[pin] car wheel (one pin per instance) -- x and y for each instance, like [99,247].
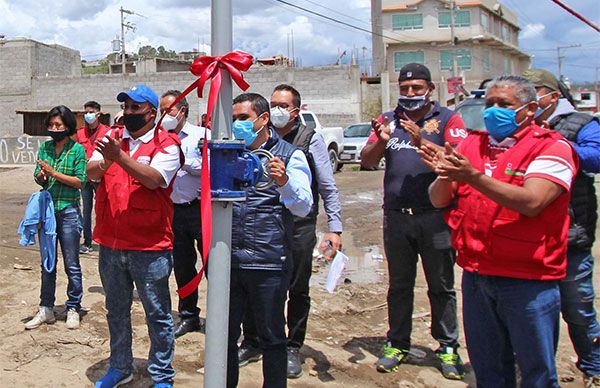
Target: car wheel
[333,160]
[381,164]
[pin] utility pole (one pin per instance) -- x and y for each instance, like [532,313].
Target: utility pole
[559,57]
[453,41]
[123,27]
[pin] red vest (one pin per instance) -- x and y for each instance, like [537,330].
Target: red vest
[130,216]
[88,141]
[494,240]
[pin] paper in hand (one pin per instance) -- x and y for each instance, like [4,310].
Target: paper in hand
[335,271]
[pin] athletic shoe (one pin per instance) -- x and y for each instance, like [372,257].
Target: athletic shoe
[392,358]
[248,354]
[113,378]
[44,315]
[452,365]
[72,319]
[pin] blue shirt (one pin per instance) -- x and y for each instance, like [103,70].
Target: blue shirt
[588,147]
[326,183]
[295,195]
[186,186]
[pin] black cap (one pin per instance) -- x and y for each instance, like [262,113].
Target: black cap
[414,71]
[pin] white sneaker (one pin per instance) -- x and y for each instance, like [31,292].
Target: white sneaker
[72,319]
[44,315]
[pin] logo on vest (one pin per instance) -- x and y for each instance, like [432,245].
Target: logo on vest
[431,126]
[145,160]
[394,145]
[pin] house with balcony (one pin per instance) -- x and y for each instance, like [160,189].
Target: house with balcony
[485,40]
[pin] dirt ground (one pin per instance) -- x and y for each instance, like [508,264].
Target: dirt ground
[345,334]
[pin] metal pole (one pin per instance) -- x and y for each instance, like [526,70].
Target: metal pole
[452,38]
[559,57]
[219,270]
[123,68]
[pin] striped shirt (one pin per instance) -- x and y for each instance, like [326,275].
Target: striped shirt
[71,161]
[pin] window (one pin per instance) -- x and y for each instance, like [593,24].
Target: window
[507,66]
[402,58]
[505,36]
[485,21]
[586,96]
[309,121]
[461,19]
[486,60]
[407,22]
[463,59]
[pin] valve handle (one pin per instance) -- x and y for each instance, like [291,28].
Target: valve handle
[264,156]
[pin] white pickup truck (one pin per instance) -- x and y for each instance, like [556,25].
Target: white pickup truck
[334,136]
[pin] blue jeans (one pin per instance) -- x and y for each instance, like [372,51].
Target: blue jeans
[264,293]
[577,306]
[506,318]
[150,271]
[68,233]
[87,202]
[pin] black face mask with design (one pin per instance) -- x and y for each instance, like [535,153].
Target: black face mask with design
[135,122]
[58,135]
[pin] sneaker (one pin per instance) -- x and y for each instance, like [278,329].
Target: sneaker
[392,358]
[591,381]
[452,365]
[113,378]
[72,319]
[294,365]
[248,354]
[84,249]
[44,315]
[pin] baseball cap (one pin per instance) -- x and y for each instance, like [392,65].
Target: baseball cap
[140,93]
[414,71]
[541,77]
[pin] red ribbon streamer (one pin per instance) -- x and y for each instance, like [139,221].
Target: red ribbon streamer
[209,67]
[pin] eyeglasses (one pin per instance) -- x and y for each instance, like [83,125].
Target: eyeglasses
[132,107]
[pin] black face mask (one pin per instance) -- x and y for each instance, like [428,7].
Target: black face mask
[134,122]
[58,135]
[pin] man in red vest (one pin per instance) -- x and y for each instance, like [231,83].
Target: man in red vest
[134,213]
[86,136]
[510,186]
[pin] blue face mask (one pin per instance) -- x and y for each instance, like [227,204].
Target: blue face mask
[89,117]
[244,130]
[501,122]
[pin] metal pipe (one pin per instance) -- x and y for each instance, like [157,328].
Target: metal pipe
[219,270]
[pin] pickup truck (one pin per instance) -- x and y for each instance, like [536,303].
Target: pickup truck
[333,136]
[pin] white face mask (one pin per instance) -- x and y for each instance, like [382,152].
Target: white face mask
[170,122]
[279,117]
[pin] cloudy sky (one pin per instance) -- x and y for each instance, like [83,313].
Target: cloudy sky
[263,28]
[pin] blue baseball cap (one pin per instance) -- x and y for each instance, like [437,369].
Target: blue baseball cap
[140,93]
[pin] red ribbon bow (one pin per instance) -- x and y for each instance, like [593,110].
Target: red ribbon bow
[206,68]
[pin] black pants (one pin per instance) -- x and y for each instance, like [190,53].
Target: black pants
[298,305]
[262,293]
[187,232]
[405,237]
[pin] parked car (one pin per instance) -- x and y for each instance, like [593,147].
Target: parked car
[471,109]
[355,138]
[333,136]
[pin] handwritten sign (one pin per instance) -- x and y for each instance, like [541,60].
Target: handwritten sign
[20,150]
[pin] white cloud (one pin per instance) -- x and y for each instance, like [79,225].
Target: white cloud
[533,30]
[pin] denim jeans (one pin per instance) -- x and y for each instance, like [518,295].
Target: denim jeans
[87,202]
[506,318]
[68,233]
[577,306]
[264,293]
[405,237]
[149,271]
